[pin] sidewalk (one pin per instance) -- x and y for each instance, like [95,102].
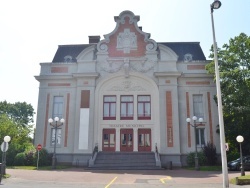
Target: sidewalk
[79,177]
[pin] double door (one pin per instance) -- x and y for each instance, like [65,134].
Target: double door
[127,140]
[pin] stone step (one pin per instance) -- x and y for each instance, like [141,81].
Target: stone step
[125,160]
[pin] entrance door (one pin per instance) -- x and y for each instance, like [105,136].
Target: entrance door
[127,140]
[108,140]
[144,139]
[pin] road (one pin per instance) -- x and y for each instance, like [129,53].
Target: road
[81,178]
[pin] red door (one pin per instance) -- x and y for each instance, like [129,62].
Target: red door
[126,140]
[144,139]
[108,140]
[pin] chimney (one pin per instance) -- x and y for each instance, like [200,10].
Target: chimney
[94,39]
[140,27]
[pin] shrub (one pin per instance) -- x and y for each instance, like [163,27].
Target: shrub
[12,152]
[191,158]
[19,159]
[45,158]
[209,151]
[29,158]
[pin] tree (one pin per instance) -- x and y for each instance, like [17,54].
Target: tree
[234,67]
[20,140]
[16,121]
[20,112]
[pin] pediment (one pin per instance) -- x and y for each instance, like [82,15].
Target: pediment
[167,54]
[127,39]
[87,54]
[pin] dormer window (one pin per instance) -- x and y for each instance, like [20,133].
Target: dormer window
[68,59]
[188,58]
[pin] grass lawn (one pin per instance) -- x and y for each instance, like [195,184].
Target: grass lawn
[39,168]
[246,178]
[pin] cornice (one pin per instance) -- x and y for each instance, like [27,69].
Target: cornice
[167,74]
[84,75]
[196,75]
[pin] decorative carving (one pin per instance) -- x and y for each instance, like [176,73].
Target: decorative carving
[144,66]
[127,86]
[111,66]
[126,41]
[132,18]
[151,46]
[126,67]
[136,64]
[102,47]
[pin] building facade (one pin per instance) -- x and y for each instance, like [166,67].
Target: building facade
[126,93]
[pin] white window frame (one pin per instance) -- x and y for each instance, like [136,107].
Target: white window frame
[58,108]
[199,137]
[59,136]
[198,106]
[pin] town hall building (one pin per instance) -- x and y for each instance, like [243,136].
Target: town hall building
[126,93]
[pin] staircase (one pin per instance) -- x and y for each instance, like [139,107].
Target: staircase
[125,161]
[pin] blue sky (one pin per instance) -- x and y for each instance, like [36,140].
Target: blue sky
[32,30]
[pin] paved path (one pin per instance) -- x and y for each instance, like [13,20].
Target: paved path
[79,177]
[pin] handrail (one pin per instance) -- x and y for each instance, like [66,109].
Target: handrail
[157,156]
[156,152]
[94,151]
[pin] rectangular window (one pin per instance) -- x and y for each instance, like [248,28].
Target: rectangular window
[109,107]
[144,107]
[127,107]
[198,106]
[200,137]
[57,107]
[57,134]
[57,112]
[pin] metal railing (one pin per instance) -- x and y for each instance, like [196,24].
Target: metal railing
[157,156]
[94,151]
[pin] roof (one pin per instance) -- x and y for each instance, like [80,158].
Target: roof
[183,48]
[68,53]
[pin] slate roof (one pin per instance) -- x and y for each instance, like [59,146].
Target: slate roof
[180,48]
[69,50]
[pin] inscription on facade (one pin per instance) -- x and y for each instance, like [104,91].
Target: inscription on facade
[126,126]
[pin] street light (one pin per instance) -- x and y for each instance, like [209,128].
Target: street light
[196,159]
[55,124]
[241,139]
[216,5]
[4,148]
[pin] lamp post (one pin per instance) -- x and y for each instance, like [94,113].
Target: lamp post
[216,5]
[56,123]
[241,139]
[4,148]
[196,159]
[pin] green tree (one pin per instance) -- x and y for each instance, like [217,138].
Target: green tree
[15,121]
[21,112]
[234,67]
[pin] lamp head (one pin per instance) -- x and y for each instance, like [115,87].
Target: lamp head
[50,120]
[188,120]
[200,120]
[194,118]
[6,138]
[62,120]
[240,138]
[56,118]
[215,5]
